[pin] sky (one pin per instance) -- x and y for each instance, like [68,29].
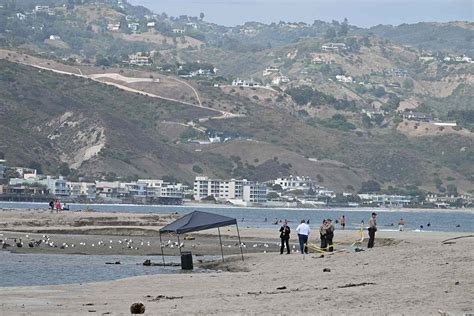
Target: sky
[364,13]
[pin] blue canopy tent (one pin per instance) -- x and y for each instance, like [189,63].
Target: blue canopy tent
[196,221]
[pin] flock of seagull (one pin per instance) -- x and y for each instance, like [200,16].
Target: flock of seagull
[131,244]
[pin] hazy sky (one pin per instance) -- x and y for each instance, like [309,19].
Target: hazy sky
[359,12]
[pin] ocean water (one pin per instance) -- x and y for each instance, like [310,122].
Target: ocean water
[461,220]
[51,269]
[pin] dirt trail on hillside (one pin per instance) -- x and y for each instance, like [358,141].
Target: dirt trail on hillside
[99,77]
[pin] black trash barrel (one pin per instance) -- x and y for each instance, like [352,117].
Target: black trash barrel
[186,260]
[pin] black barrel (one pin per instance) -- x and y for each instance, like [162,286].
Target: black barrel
[186,260]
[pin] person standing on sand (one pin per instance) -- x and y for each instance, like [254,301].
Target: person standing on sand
[342,221]
[285,237]
[372,230]
[51,205]
[401,225]
[322,235]
[329,234]
[303,231]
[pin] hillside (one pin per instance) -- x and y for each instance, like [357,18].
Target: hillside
[76,103]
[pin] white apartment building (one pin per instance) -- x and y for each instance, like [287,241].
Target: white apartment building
[255,193]
[227,190]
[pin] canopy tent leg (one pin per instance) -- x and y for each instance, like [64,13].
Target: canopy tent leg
[162,253]
[240,242]
[220,240]
[179,246]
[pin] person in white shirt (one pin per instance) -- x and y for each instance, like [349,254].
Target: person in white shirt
[303,231]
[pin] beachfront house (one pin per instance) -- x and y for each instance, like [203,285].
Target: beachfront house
[294,183]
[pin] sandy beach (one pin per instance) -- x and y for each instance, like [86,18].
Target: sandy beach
[406,273]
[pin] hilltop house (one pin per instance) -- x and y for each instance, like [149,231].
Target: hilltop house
[150,24]
[345,79]
[333,47]
[139,59]
[179,31]
[245,83]
[43,9]
[55,37]
[416,116]
[271,70]
[20,16]
[279,80]
[134,26]
[113,27]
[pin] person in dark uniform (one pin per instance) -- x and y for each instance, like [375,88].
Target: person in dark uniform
[51,204]
[372,230]
[285,237]
[329,234]
[322,235]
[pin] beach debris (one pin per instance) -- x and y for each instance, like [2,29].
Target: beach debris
[326,270]
[457,283]
[447,241]
[355,284]
[358,249]
[164,297]
[281,288]
[137,308]
[189,238]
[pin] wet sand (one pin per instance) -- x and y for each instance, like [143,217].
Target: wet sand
[406,273]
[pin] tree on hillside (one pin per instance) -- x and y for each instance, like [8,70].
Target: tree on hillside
[344,29]
[408,84]
[379,92]
[330,33]
[370,186]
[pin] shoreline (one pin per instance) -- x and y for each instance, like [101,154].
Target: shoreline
[225,206]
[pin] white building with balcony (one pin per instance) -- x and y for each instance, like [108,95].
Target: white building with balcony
[229,190]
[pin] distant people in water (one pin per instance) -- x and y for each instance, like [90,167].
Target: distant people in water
[372,230]
[342,221]
[421,227]
[307,222]
[265,220]
[401,225]
[428,225]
